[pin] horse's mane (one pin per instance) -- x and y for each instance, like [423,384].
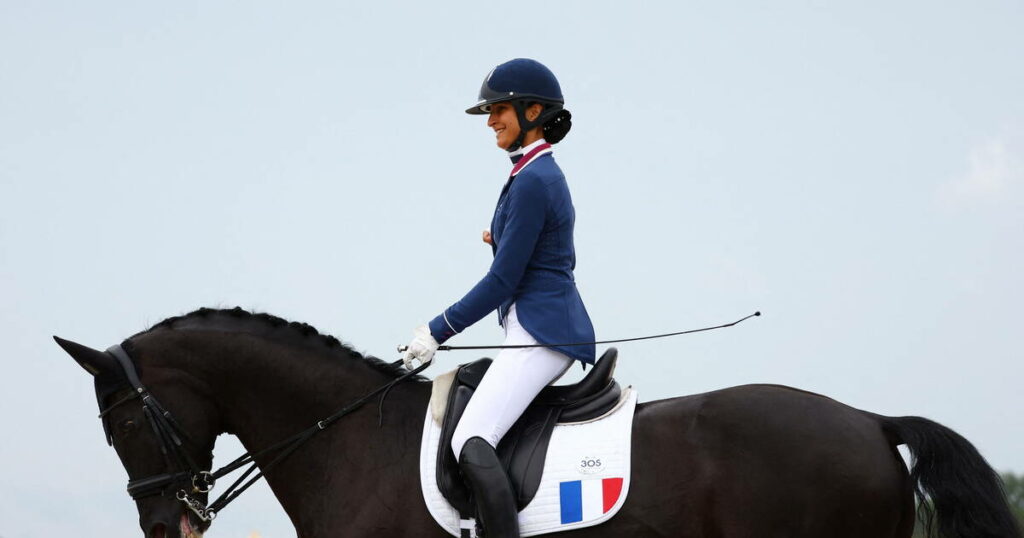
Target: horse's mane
[263,324]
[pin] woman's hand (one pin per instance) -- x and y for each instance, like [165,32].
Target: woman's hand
[487,237]
[422,348]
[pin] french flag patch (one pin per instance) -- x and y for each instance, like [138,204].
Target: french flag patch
[584,500]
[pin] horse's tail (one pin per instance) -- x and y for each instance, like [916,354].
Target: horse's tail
[959,494]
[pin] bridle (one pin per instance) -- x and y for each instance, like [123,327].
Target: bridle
[186,474]
[188,479]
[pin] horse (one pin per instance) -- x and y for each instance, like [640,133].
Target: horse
[755,460]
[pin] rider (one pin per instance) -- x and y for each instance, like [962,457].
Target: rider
[530,283]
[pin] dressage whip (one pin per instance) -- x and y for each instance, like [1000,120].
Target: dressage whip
[402,349]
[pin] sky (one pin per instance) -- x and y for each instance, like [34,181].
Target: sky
[856,173]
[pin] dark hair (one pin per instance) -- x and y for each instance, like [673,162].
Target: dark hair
[557,127]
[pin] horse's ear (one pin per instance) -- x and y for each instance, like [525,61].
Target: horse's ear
[92,360]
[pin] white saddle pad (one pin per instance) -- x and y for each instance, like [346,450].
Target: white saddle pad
[585,477]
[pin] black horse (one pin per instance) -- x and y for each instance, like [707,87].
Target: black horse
[750,461]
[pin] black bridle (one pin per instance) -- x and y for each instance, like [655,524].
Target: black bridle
[185,477]
[169,434]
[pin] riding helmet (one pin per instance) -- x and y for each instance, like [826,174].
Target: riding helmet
[524,81]
[521,78]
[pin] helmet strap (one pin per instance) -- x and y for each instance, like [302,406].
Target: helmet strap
[525,125]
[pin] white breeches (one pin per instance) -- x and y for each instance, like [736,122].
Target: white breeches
[513,380]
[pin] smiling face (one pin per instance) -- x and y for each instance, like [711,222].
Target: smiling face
[505,123]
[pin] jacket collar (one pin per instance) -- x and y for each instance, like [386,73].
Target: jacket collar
[516,155]
[524,156]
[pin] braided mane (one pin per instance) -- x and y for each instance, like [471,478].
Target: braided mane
[294,331]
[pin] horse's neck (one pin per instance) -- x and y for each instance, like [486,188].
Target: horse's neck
[266,390]
[271,395]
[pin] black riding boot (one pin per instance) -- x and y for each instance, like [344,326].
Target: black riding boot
[492,492]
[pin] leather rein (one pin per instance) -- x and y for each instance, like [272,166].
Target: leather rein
[188,478]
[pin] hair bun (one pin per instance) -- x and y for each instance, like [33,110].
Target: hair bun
[557,127]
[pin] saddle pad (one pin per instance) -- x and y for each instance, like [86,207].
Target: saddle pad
[585,478]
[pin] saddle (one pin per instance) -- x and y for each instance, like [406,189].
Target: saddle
[524,448]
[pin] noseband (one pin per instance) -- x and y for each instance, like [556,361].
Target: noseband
[185,476]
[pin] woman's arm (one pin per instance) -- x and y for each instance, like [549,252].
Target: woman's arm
[527,206]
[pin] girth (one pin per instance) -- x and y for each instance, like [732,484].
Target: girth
[523,450]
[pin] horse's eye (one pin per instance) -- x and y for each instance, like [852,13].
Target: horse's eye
[127,426]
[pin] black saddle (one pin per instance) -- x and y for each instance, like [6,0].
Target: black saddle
[524,448]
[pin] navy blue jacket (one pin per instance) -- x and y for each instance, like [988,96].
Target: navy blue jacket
[534,258]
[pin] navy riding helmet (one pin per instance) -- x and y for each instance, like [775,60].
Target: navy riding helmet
[523,81]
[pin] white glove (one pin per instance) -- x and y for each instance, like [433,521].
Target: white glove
[422,348]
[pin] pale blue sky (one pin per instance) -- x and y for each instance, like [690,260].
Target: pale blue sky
[856,173]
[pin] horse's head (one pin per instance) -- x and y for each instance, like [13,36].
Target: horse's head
[161,422]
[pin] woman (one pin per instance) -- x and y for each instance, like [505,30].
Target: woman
[530,283]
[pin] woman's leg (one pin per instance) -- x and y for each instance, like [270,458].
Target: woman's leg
[513,380]
[508,387]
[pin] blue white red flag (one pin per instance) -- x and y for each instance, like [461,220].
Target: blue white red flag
[584,500]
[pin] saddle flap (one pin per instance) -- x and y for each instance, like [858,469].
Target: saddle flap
[449,480]
[523,450]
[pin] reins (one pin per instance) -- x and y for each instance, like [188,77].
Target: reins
[189,475]
[288,446]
